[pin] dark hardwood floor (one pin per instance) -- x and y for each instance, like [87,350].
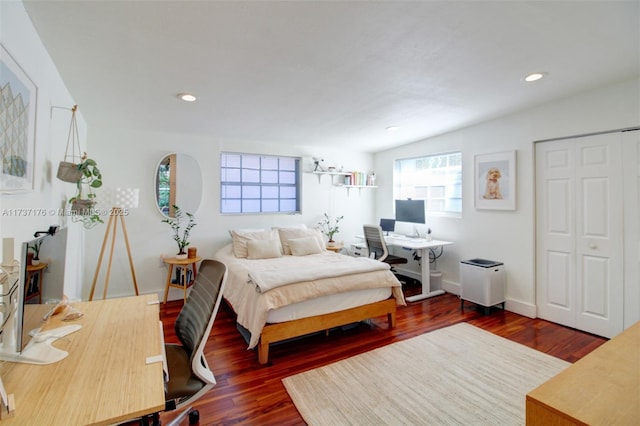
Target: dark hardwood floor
[248,393]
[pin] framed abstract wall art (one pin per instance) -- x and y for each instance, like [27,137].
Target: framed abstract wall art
[495,181]
[17,126]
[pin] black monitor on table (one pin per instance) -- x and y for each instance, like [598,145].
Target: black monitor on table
[411,211]
[388,225]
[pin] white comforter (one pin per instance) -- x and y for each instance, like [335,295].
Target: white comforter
[252,307]
[286,270]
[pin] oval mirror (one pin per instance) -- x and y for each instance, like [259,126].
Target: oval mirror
[178,181]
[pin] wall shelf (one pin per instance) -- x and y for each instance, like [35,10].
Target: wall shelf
[340,184]
[332,174]
[359,187]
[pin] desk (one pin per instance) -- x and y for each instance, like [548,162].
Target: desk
[421,245]
[601,388]
[105,378]
[171,262]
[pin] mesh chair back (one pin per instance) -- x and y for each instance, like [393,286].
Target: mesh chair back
[201,306]
[375,242]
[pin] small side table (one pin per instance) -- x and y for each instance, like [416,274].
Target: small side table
[336,248]
[182,279]
[32,291]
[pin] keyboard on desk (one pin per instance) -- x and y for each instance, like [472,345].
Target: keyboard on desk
[407,238]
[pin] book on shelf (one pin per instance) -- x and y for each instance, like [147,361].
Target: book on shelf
[360,179]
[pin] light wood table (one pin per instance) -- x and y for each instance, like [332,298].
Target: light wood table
[602,388]
[105,379]
[336,247]
[171,262]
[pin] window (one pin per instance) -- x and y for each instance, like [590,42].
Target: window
[437,179]
[251,183]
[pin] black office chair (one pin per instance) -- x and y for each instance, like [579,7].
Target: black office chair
[189,373]
[378,248]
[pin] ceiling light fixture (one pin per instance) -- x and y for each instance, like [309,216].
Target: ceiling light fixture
[393,128]
[534,76]
[187,97]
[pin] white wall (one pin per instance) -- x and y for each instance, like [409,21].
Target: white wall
[129,158]
[21,40]
[508,236]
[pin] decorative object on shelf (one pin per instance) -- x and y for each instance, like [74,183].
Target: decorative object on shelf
[175,223]
[35,250]
[85,199]
[69,168]
[121,200]
[329,226]
[317,167]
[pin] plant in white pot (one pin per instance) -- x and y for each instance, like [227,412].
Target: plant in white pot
[35,250]
[329,227]
[85,199]
[180,233]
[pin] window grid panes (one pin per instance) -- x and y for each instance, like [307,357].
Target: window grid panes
[437,179]
[259,184]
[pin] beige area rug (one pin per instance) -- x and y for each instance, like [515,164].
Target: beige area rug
[458,375]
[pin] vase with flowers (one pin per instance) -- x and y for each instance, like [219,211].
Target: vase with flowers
[180,232]
[329,227]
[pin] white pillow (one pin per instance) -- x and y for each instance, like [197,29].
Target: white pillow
[263,249]
[304,246]
[240,239]
[288,233]
[300,226]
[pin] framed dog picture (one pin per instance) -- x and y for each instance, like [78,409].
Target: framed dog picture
[495,181]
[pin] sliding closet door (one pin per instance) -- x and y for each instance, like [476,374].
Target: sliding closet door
[579,205]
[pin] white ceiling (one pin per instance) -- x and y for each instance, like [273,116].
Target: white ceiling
[331,73]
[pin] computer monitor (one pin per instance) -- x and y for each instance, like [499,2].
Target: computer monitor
[411,211]
[388,225]
[27,314]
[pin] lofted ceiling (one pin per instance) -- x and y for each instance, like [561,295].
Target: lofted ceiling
[330,73]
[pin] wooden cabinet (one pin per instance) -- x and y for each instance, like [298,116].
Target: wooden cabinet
[603,388]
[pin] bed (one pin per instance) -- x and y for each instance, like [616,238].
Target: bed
[282,283]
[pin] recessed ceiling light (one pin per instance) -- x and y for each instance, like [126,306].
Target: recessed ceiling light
[393,128]
[534,76]
[187,97]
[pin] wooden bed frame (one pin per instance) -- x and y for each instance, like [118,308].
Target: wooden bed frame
[276,332]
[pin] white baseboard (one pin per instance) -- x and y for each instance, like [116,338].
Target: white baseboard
[511,305]
[522,308]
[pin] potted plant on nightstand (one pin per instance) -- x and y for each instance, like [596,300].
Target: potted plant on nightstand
[180,234]
[35,251]
[329,227]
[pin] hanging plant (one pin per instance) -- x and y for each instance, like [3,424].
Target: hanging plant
[68,169]
[85,199]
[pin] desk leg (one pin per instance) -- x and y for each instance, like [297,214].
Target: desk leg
[426,280]
[166,290]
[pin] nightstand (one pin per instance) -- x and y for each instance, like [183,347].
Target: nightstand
[185,278]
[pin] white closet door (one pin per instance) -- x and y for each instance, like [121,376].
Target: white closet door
[579,233]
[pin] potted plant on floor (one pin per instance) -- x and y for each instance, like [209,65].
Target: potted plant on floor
[180,234]
[329,227]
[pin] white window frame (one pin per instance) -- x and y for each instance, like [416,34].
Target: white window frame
[435,178]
